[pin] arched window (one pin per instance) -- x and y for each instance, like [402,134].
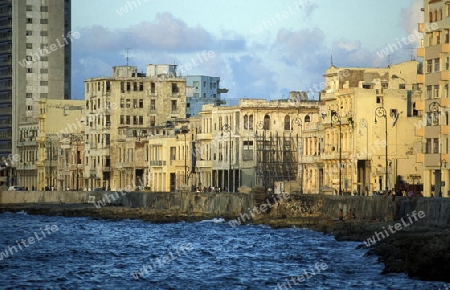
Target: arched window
[250,122]
[307,119]
[220,123]
[266,122]
[287,122]
[245,122]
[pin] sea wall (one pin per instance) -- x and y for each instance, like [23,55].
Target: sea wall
[436,210]
[15,197]
[375,208]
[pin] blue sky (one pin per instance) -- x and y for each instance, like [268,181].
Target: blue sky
[261,49]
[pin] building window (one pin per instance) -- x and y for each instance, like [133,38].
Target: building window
[141,86]
[378,99]
[108,86]
[266,122]
[122,103]
[141,103]
[135,103]
[152,88]
[135,120]
[128,86]
[135,86]
[29,70]
[44,83]
[29,8]
[122,120]
[29,46]
[141,120]
[127,120]
[437,66]
[429,92]
[44,21]
[128,103]
[429,66]
[44,8]
[245,122]
[287,122]
[152,120]
[436,91]
[152,105]
[29,95]
[248,150]
[29,20]
[173,153]
[29,33]
[122,87]
[174,105]
[44,70]
[174,88]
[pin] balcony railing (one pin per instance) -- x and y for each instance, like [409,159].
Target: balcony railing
[158,163]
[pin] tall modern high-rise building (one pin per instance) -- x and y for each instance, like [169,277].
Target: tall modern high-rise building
[435,126]
[35,61]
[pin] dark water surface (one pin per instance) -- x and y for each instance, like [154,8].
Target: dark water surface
[80,253]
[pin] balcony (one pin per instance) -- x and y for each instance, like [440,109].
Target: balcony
[158,163]
[420,78]
[421,52]
[204,136]
[204,163]
[445,47]
[445,75]
[432,160]
[178,163]
[310,159]
[421,27]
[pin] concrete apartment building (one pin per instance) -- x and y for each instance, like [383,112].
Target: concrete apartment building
[434,129]
[34,63]
[47,147]
[122,111]
[202,90]
[366,113]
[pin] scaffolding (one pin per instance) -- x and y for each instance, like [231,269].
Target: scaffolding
[277,159]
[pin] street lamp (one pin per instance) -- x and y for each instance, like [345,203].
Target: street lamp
[184,131]
[227,128]
[77,139]
[435,107]
[381,113]
[335,118]
[298,122]
[49,143]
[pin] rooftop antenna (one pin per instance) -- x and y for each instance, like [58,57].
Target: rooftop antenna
[332,64]
[411,49]
[127,55]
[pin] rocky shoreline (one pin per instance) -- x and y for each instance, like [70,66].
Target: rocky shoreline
[421,253]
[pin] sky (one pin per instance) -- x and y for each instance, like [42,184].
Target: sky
[259,48]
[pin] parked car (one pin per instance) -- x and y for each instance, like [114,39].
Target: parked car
[16,188]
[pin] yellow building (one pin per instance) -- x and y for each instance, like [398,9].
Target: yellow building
[434,128]
[40,140]
[369,117]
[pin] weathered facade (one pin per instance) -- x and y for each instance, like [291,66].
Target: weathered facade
[368,122]
[41,163]
[121,111]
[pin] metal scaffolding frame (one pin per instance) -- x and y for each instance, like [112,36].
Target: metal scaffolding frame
[277,158]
